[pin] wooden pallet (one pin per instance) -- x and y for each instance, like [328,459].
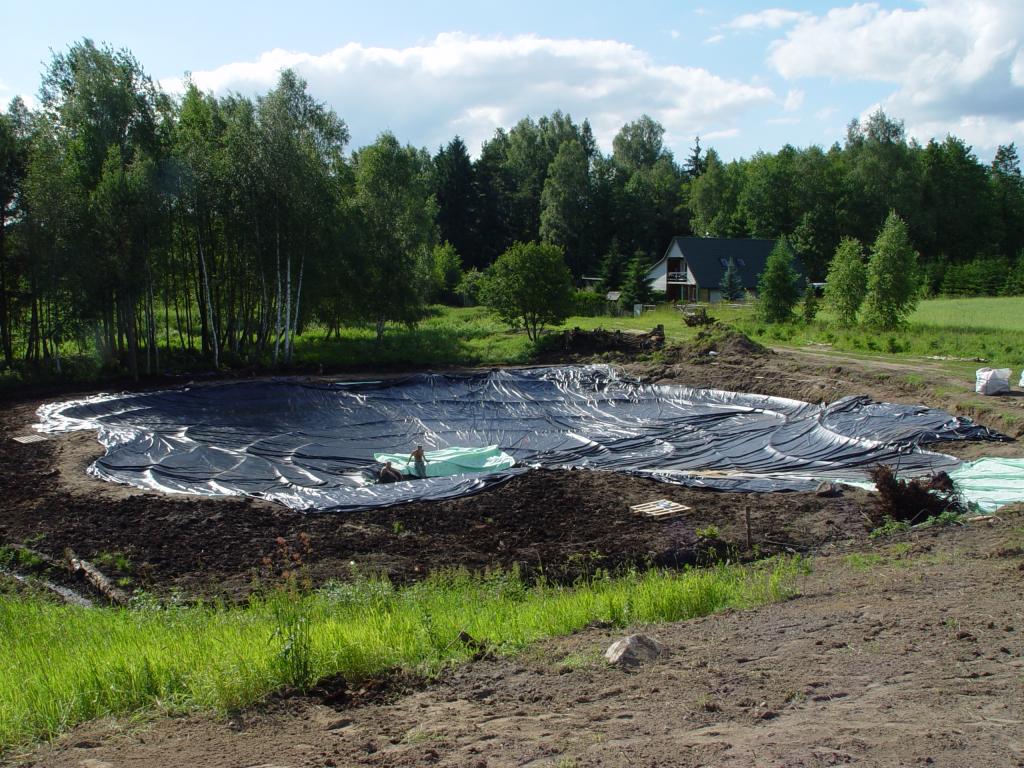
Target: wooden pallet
[29,438]
[662,509]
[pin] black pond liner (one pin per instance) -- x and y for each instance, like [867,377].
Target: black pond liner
[309,445]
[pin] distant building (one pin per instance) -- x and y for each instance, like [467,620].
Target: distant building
[692,268]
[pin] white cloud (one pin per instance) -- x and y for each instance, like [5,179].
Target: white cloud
[794,100]
[728,133]
[783,121]
[955,64]
[471,85]
[674,34]
[714,39]
[1017,70]
[825,113]
[7,95]
[770,18]
[977,131]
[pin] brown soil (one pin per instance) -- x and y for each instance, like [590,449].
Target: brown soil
[563,523]
[916,659]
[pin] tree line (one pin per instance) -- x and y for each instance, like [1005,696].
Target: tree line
[149,228]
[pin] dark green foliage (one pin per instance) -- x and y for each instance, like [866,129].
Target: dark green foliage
[1014,285]
[982,276]
[809,304]
[635,288]
[445,272]
[565,205]
[469,287]
[612,269]
[892,285]
[695,163]
[396,231]
[589,304]
[529,285]
[777,290]
[454,184]
[732,283]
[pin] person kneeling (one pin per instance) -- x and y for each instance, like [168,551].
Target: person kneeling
[389,474]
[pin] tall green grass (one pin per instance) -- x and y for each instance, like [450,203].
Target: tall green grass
[62,665]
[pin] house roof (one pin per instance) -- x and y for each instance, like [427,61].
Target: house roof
[708,258]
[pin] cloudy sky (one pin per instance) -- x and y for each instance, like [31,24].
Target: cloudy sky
[743,75]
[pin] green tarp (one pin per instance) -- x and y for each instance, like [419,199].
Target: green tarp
[990,483]
[453,461]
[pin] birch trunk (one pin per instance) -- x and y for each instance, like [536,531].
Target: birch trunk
[209,302]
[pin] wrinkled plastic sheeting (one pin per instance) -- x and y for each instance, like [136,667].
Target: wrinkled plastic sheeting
[990,483]
[304,444]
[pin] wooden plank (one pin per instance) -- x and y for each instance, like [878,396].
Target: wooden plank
[29,438]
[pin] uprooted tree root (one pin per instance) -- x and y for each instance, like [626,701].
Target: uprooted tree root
[911,501]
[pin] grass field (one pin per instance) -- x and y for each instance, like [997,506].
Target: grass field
[987,329]
[990,329]
[998,313]
[62,665]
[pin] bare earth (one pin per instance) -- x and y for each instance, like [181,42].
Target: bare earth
[903,651]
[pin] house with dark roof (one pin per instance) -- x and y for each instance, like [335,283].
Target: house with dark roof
[692,268]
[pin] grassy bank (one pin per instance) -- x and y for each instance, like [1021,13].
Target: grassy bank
[61,665]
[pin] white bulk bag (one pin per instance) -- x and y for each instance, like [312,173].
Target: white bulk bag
[992,381]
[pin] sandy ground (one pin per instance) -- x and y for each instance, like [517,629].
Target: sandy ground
[902,652]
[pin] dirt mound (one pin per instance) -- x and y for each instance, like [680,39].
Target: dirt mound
[580,343]
[719,341]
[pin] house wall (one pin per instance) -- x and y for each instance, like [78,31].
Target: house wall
[657,276]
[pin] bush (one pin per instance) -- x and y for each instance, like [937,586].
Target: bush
[589,304]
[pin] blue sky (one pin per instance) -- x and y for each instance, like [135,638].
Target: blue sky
[744,76]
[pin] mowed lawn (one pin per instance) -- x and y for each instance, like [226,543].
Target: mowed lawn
[1000,313]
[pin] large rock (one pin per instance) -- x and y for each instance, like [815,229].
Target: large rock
[634,650]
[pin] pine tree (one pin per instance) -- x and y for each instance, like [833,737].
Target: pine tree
[777,289]
[847,282]
[695,163]
[809,305]
[892,288]
[613,268]
[732,283]
[635,288]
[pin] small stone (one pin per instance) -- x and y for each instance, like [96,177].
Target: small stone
[633,651]
[827,489]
